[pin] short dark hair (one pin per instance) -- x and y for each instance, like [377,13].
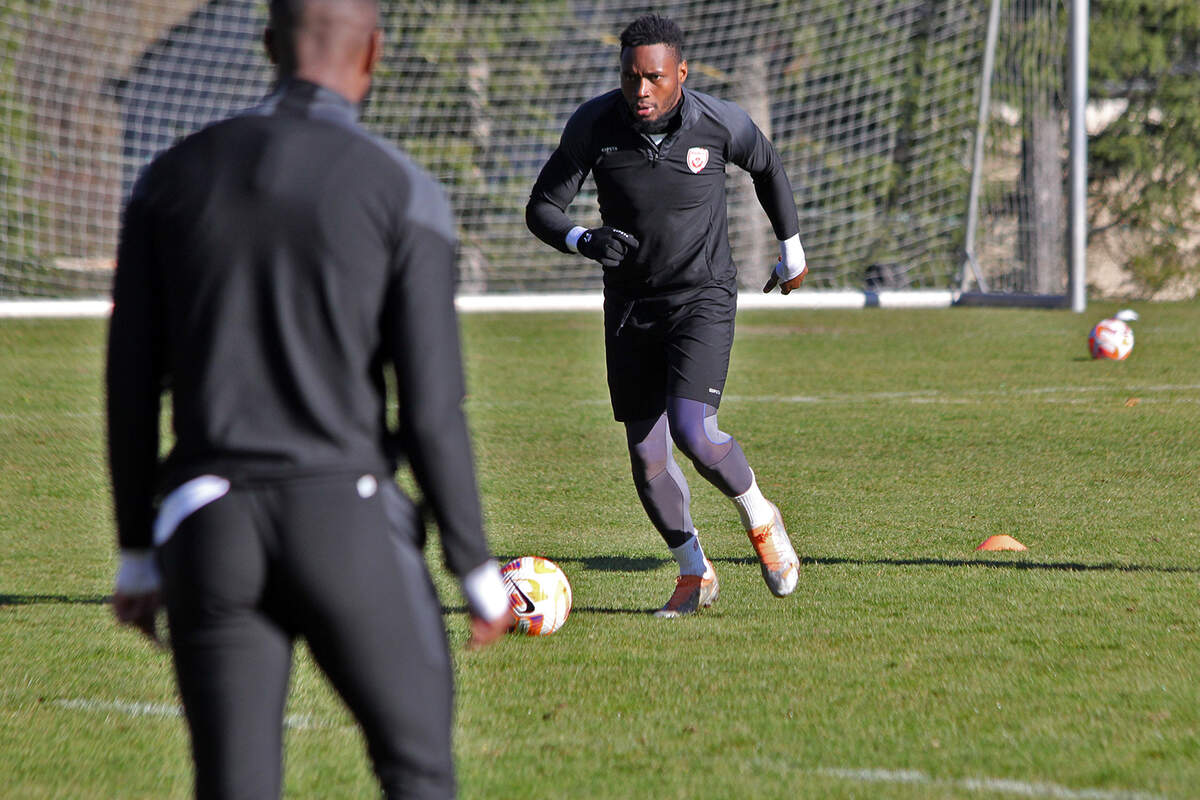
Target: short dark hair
[653,29]
[286,14]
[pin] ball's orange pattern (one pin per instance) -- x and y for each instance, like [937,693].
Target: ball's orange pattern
[539,593]
[1112,339]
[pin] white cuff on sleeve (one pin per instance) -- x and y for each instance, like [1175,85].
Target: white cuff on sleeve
[137,572]
[484,589]
[573,238]
[791,259]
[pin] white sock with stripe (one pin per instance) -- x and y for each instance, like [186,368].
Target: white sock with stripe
[690,556]
[752,507]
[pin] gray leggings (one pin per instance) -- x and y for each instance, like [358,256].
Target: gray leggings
[661,486]
[247,574]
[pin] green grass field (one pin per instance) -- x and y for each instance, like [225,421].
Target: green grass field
[906,665]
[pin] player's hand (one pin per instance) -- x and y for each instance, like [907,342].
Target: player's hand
[786,285]
[136,594]
[609,246]
[484,633]
[139,611]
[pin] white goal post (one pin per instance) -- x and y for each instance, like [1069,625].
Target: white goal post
[875,107]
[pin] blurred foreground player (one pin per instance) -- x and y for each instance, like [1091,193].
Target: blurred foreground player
[270,268]
[658,154]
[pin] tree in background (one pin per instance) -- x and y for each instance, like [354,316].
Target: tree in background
[1145,165]
[1039,47]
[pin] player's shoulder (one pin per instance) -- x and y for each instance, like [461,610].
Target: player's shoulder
[173,165]
[399,162]
[197,150]
[425,200]
[595,111]
[725,113]
[379,168]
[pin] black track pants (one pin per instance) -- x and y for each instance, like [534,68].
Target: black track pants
[333,560]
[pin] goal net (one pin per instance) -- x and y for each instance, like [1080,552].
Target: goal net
[1017,209]
[872,106]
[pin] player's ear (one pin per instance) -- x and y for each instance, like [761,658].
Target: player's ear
[683,70]
[374,50]
[269,44]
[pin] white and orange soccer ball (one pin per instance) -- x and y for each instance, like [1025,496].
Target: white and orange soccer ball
[539,593]
[1111,338]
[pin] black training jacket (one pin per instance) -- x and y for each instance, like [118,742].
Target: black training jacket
[671,197]
[269,268]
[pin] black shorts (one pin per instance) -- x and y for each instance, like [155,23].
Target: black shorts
[656,347]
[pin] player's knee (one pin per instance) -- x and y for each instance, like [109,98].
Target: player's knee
[648,460]
[694,442]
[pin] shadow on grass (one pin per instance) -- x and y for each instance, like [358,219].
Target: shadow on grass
[614,563]
[1059,566]
[54,599]
[635,612]
[611,563]
[100,599]
[649,563]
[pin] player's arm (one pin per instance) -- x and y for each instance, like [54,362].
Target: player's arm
[753,152]
[556,187]
[421,328]
[133,378]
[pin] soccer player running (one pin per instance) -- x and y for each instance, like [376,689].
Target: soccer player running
[658,155]
[270,268]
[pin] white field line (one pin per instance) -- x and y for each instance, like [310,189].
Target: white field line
[912,777]
[984,785]
[807,299]
[134,709]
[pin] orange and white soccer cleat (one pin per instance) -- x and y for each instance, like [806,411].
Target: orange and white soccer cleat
[692,592]
[780,565]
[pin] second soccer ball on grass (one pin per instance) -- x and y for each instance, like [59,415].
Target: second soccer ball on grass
[1111,338]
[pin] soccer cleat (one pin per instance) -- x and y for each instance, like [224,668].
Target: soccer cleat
[780,565]
[692,592]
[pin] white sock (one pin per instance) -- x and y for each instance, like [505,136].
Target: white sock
[690,556]
[752,507]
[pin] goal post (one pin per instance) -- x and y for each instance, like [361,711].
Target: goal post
[873,106]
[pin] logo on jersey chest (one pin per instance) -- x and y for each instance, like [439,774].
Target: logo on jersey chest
[697,157]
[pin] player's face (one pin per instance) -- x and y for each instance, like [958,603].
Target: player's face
[651,80]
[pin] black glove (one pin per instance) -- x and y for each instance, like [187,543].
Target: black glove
[607,245]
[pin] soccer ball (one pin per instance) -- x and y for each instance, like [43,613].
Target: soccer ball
[1111,338]
[539,593]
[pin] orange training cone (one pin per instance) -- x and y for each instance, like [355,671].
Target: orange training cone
[1001,542]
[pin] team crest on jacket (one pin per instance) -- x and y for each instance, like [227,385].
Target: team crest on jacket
[697,157]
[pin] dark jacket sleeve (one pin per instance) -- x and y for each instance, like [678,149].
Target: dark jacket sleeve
[753,152]
[133,377]
[558,183]
[421,328]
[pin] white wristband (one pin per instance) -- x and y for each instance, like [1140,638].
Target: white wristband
[137,573]
[573,238]
[791,259]
[484,589]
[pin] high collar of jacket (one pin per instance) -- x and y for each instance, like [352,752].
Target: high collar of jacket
[686,111]
[315,99]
